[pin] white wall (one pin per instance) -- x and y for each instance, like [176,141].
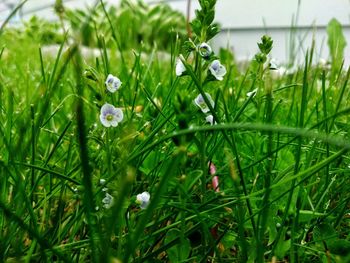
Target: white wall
[245,21]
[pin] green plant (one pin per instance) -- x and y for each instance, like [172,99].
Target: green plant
[127,157]
[336,44]
[135,24]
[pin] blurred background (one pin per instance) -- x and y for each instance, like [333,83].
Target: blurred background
[292,24]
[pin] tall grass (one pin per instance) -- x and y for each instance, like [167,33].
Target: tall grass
[281,156]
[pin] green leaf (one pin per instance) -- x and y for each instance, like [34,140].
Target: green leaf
[339,247]
[196,26]
[283,246]
[212,31]
[324,231]
[209,17]
[181,250]
[336,42]
[266,44]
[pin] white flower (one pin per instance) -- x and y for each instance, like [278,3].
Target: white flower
[204,50]
[179,68]
[199,101]
[276,69]
[143,199]
[110,116]
[210,119]
[102,181]
[217,70]
[279,72]
[323,63]
[252,93]
[107,201]
[113,83]
[273,64]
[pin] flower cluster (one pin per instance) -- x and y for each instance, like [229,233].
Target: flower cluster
[110,116]
[215,71]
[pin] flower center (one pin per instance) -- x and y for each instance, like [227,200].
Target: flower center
[109,117]
[204,50]
[203,105]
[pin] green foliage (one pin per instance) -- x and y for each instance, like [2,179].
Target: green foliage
[281,162]
[265,46]
[202,25]
[336,43]
[181,250]
[134,23]
[37,30]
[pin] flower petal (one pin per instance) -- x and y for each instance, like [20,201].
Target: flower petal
[210,119]
[179,68]
[217,70]
[110,116]
[204,50]
[112,83]
[199,101]
[143,199]
[119,114]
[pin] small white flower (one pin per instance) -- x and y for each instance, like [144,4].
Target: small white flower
[252,93]
[179,68]
[210,119]
[217,70]
[102,181]
[204,50]
[143,199]
[273,64]
[107,201]
[278,72]
[199,101]
[113,83]
[323,63]
[110,116]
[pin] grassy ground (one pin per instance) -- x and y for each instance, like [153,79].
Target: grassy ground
[279,191]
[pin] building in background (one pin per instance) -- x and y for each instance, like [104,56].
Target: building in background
[292,24]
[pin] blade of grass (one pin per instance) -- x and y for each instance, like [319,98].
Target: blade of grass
[89,202]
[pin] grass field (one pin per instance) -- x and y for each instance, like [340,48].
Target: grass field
[142,155]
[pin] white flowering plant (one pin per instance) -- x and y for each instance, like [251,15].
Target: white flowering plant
[112,83]
[110,116]
[190,156]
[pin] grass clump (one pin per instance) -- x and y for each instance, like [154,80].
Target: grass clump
[132,157]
